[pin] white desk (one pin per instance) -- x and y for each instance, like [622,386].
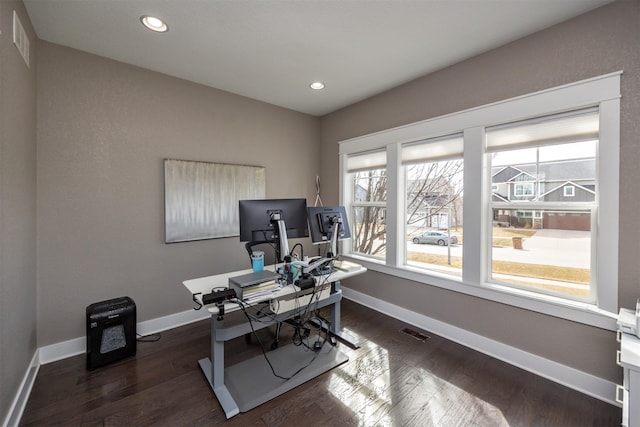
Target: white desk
[248,384]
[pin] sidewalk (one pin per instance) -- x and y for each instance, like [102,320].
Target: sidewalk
[562,248]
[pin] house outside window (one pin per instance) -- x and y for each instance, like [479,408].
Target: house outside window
[557,259]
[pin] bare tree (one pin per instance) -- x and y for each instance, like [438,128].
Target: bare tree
[370,213]
[432,188]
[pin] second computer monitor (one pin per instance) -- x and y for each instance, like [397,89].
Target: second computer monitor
[324,220]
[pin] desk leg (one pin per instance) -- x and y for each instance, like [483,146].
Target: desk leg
[217,353]
[335,309]
[214,371]
[335,318]
[334,328]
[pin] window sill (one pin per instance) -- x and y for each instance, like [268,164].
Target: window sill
[584,313]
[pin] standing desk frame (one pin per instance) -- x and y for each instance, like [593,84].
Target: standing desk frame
[248,384]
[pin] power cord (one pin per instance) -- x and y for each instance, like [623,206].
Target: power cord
[293,254]
[264,353]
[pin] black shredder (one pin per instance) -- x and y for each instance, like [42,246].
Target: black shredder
[111,331]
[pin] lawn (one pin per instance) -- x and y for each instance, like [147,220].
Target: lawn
[578,276]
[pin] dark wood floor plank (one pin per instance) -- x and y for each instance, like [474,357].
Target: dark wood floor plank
[393,379]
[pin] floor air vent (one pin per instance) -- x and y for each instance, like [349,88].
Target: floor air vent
[415,334]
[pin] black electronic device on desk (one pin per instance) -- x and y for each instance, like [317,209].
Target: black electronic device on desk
[306,282]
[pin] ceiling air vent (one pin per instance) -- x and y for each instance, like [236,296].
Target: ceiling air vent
[20,38]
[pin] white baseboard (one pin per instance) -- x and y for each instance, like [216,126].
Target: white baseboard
[75,346]
[22,396]
[570,377]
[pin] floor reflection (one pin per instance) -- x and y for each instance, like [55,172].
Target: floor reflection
[408,390]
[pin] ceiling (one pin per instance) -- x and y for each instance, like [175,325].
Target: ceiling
[271,50]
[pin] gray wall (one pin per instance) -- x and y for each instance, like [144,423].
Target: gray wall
[104,128]
[599,42]
[17,207]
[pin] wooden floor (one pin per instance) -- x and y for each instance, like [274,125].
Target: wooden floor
[394,379]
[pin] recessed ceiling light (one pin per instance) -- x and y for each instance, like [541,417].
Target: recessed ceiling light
[317,85]
[154,24]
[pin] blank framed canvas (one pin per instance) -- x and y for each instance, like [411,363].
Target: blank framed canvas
[201,198]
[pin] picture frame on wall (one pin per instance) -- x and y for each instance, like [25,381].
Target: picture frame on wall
[201,198]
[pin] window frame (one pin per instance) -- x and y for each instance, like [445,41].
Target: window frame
[442,149]
[526,188]
[571,193]
[602,92]
[365,161]
[531,149]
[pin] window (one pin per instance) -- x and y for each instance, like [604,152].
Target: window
[433,171]
[547,249]
[569,191]
[368,187]
[528,187]
[523,189]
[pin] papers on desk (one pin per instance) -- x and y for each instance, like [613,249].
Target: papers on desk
[260,291]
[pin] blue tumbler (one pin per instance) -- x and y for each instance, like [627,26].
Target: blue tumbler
[257,261]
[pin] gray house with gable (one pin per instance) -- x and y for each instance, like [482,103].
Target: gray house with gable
[558,181]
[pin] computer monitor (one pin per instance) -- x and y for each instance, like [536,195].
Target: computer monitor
[324,221]
[273,221]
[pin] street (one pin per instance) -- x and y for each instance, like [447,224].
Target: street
[561,248]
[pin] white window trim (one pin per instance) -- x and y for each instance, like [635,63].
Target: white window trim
[570,193]
[527,188]
[602,91]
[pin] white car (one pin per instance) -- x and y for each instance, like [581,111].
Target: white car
[435,238]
